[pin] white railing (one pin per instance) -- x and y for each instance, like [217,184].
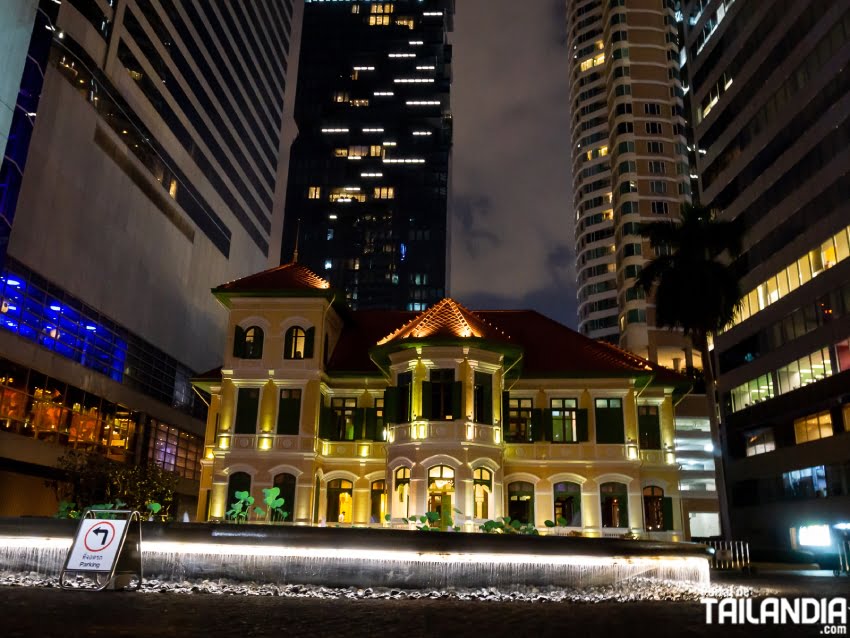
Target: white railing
[730,554]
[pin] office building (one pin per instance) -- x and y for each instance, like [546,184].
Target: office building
[368,184]
[630,167]
[142,167]
[366,417]
[771,111]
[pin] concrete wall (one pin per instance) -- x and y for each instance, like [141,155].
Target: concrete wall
[16,22]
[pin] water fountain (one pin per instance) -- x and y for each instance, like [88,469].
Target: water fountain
[345,557]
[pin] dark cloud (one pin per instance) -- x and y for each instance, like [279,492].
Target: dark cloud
[512,219]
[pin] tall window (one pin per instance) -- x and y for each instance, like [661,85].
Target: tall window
[295,343]
[615,508]
[568,504]
[649,427]
[343,414]
[653,508]
[441,487]
[402,488]
[519,421]
[238,482]
[609,421]
[521,501]
[248,343]
[483,398]
[289,411]
[563,420]
[442,382]
[286,484]
[482,480]
[378,501]
[340,494]
[247,407]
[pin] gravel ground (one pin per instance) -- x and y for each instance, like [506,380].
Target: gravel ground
[187,610]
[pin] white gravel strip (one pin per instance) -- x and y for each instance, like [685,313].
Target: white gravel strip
[635,590]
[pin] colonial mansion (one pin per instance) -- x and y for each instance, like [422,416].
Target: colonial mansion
[356,415]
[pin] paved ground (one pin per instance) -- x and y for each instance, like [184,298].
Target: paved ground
[38,612]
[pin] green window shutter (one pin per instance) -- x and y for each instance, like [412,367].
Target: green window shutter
[547,425]
[649,430]
[667,511]
[582,430]
[537,424]
[287,344]
[457,399]
[359,419]
[289,416]
[609,425]
[371,423]
[391,405]
[326,423]
[308,343]
[427,408]
[247,407]
[238,342]
[257,346]
[506,409]
[624,510]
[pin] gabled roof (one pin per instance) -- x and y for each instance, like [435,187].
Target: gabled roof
[553,349]
[281,281]
[446,318]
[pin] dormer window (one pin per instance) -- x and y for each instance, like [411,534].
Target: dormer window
[298,343]
[248,343]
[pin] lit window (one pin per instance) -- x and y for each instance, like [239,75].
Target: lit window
[405,22]
[376,150]
[340,96]
[813,427]
[360,102]
[314,192]
[340,152]
[760,443]
[384,192]
[379,21]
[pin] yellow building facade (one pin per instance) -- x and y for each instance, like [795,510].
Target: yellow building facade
[369,417]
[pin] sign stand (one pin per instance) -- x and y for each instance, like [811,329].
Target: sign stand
[107,550]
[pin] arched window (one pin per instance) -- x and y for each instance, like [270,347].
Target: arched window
[340,494]
[441,488]
[568,504]
[402,489]
[614,499]
[521,501]
[248,343]
[378,501]
[653,508]
[286,484]
[238,482]
[482,480]
[298,343]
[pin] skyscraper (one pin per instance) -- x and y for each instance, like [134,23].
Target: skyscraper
[366,205]
[769,84]
[141,169]
[630,167]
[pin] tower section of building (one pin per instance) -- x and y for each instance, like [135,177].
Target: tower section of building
[142,165]
[770,93]
[368,189]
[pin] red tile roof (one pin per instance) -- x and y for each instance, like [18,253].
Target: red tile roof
[550,348]
[292,276]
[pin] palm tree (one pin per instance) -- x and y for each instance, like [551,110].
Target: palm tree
[696,289]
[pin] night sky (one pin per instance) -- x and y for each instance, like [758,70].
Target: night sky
[512,222]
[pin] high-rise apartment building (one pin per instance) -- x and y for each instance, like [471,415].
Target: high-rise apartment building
[366,205]
[770,85]
[630,167]
[141,168]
